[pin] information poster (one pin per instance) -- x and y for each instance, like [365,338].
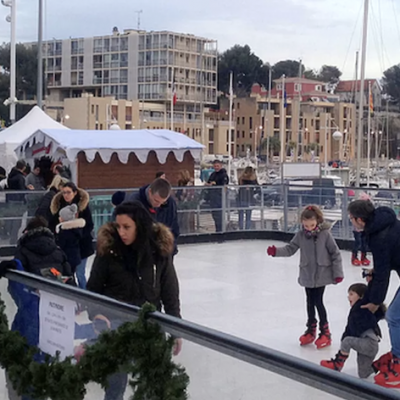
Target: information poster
[57,325]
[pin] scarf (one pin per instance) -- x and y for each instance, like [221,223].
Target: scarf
[313,233]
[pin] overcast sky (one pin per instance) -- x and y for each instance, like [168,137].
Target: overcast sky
[317,31]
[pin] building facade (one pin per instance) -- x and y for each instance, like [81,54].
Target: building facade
[134,65]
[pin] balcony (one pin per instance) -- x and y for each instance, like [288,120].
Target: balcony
[54,83]
[114,49]
[123,64]
[97,81]
[98,50]
[98,65]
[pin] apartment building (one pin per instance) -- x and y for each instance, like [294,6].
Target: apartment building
[99,113]
[134,65]
[305,123]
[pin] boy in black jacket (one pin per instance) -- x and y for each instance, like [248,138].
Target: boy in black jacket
[69,234]
[362,334]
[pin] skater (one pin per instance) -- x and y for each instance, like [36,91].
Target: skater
[360,243]
[362,334]
[382,232]
[320,265]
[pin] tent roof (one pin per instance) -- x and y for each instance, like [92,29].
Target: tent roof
[34,120]
[121,142]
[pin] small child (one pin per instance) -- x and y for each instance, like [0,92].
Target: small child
[360,243]
[69,234]
[320,265]
[362,334]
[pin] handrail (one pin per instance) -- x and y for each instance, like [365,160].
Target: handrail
[332,382]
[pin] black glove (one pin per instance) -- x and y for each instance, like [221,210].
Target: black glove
[7,265]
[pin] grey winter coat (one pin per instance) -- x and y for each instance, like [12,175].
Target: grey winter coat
[320,258]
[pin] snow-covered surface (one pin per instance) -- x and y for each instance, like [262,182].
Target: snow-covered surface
[11,137]
[106,143]
[234,287]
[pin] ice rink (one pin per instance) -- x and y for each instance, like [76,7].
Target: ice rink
[236,288]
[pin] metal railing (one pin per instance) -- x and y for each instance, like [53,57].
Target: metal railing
[307,373]
[203,210]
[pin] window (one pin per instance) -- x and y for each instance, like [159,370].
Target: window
[243,120]
[243,134]
[297,87]
[250,122]
[238,121]
[251,134]
[238,106]
[237,134]
[279,86]
[242,147]
[318,88]
[92,109]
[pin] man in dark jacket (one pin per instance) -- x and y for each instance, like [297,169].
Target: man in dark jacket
[218,178]
[156,198]
[381,229]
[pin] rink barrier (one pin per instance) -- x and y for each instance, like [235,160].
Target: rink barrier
[307,373]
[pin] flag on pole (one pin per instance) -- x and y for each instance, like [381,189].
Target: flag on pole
[285,99]
[174,96]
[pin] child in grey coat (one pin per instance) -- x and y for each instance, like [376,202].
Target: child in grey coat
[320,265]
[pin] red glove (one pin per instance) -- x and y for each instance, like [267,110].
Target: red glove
[271,251]
[338,279]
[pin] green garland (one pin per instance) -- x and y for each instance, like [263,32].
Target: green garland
[140,349]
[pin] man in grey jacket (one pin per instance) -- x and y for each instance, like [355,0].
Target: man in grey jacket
[34,181]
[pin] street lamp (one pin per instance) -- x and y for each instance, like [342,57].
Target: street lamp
[12,100]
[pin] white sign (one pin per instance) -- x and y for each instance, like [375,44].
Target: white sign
[57,325]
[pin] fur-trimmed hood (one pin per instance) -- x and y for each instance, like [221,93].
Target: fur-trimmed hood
[39,241]
[108,234]
[325,226]
[74,224]
[58,201]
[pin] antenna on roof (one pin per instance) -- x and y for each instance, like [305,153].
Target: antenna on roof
[138,18]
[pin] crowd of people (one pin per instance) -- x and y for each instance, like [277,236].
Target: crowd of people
[134,259]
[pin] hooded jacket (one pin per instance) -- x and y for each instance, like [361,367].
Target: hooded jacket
[118,274]
[246,194]
[382,233]
[43,209]
[320,258]
[68,237]
[82,201]
[38,251]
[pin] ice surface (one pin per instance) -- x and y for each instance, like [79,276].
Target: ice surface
[236,288]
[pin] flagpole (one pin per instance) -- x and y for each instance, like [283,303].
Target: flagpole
[283,135]
[269,109]
[369,132]
[230,122]
[172,98]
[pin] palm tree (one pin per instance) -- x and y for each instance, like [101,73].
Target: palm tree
[274,145]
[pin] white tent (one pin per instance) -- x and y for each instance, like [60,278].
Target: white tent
[11,137]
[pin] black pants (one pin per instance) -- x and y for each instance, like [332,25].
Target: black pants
[359,243]
[315,301]
[217,217]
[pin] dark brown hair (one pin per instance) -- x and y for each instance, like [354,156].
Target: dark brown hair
[363,209]
[161,187]
[312,212]
[359,288]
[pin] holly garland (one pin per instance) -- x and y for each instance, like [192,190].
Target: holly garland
[138,348]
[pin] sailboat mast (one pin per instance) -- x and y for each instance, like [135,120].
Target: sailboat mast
[361,105]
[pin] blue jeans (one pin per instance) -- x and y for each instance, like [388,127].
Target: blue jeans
[116,386]
[393,320]
[80,274]
[242,214]
[359,243]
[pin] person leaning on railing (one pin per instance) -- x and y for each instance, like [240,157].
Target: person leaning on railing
[246,196]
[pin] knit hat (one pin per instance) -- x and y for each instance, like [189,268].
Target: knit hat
[118,198]
[68,213]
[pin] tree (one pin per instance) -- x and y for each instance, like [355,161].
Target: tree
[391,82]
[274,145]
[289,68]
[329,74]
[247,69]
[26,77]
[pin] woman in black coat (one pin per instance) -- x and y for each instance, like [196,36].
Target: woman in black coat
[134,265]
[246,196]
[70,194]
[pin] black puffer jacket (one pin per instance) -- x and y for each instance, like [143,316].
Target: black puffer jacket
[37,251]
[43,209]
[82,201]
[219,178]
[382,232]
[118,274]
[16,181]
